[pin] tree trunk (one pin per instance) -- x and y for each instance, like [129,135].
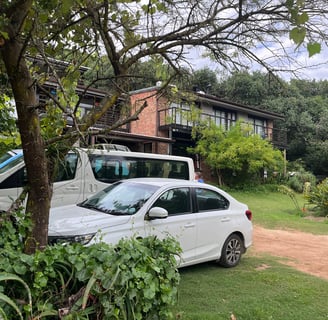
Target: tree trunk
[219,175]
[38,202]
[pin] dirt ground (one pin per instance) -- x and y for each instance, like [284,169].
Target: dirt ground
[303,251]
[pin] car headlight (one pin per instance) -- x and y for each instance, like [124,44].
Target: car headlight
[83,239]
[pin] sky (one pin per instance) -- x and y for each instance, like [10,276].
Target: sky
[308,68]
[319,63]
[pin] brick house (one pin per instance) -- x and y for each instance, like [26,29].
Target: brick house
[163,128]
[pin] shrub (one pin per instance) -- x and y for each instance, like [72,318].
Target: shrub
[319,197]
[135,279]
[299,176]
[298,180]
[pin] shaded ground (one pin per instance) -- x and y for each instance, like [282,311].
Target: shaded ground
[303,251]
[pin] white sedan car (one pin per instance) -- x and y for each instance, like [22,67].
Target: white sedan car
[208,223]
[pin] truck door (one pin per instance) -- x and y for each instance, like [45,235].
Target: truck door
[67,188]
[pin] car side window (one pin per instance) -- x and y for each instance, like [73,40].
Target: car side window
[105,169]
[175,201]
[16,180]
[67,168]
[210,200]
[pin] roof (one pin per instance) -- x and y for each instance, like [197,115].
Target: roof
[215,101]
[223,103]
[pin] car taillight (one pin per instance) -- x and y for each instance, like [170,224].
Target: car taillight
[249,215]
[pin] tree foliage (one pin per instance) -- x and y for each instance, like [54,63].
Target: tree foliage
[203,80]
[237,151]
[9,137]
[252,89]
[303,104]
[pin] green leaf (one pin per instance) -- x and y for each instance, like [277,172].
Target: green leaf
[20,269]
[302,18]
[313,48]
[2,315]
[297,35]
[66,6]
[9,301]
[289,3]
[6,299]
[4,35]
[91,282]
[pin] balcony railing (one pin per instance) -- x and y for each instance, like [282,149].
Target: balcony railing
[181,120]
[110,118]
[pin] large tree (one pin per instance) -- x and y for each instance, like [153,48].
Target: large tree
[125,33]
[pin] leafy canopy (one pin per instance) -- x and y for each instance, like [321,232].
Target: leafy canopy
[237,149]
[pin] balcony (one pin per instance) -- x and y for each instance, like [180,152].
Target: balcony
[109,119]
[179,119]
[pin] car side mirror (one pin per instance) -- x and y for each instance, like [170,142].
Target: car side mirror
[157,213]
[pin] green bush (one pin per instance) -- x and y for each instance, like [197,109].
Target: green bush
[298,176]
[135,279]
[319,197]
[298,180]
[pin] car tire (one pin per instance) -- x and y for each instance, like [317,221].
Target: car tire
[231,251]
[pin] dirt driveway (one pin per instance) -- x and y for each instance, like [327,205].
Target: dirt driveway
[304,251]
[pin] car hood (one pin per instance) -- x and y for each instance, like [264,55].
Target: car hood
[74,220]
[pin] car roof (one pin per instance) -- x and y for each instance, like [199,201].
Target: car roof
[165,182]
[17,151]
[169,182]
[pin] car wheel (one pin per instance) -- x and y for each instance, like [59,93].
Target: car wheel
[231,251]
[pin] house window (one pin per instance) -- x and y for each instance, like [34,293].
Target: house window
[224,118]
[148,147]
[260,126]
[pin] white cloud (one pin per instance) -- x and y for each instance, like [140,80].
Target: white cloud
[305,67]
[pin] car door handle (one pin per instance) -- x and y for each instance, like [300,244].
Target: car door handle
[93,188]
[225,219]
[189,225]
[72,188]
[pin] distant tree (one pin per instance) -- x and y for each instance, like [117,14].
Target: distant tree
[305,122]
[252,89]
[237,151]
[306,88]
[204,80]
[316,157]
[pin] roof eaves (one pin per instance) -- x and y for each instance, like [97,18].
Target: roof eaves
[215,101]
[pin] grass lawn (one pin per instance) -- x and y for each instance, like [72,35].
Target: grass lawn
[275,210]
[249,291]
[209,292]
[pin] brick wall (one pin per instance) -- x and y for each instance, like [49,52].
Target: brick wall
[147,124]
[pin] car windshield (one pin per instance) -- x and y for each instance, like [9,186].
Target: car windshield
[121,198]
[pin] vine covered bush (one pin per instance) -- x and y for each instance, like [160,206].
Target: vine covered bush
[135,279]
